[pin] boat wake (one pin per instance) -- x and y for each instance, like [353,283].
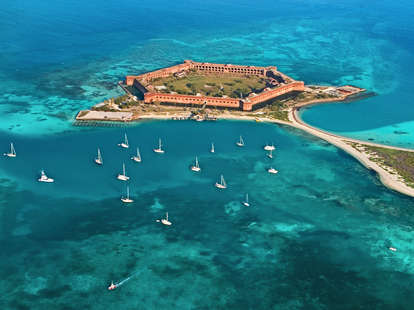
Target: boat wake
[122,282]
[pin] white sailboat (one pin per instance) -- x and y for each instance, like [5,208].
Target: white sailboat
[196,166]
[222,184]
[137,158]
[12,152]
[44,178]
[159,150]
[127,199]
[246,201]
[166,221]
[123,176]
[124,144]
[240,142]
[212,148]
[99,160]
[272,170]
[269,147]
[270,154]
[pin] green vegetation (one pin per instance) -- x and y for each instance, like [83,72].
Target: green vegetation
[120,99]
[212,85]
[399,161]
[104,108]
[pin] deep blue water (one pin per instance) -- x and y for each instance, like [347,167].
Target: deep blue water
[317,233]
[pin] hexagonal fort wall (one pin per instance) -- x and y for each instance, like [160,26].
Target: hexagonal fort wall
[246,104]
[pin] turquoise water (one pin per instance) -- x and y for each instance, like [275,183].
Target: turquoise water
[348,119]
[316,235]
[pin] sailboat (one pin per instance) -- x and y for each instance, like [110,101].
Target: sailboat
[12,152]
[240,142]
[123,176]
[270,154]
[124,144]
[269,147]
[137,158]
[272,170]
[246,201]
[196,167]
[44,178]
[212,148]
[99,159]
[159,149]
[166,221]
[222,184]
[127,199]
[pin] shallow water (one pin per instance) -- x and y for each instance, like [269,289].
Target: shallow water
[75,54]
[316,233]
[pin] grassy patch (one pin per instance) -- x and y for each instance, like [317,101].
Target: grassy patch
[211,85]
[394,161]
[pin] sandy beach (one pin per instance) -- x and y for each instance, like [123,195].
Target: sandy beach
[391,180]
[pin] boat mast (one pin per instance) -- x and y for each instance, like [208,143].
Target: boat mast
[222,181]
[123,168]
[196,162]
[126,139]
[12,150]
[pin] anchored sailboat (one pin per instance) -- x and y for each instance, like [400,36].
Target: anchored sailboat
[123,176]
[12,152]
[272,170]
[137,158]
[124,144]
[212,148]
[246,201]
[240,142]
[166,221]
[99,160]
[159,149]
[44,178]
[270,154]
[222,184]
[269,147]
[127,199]
[196,166]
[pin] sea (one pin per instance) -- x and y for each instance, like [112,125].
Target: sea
[317,234]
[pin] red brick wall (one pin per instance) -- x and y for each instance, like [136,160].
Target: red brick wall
[267,95]
[187,99]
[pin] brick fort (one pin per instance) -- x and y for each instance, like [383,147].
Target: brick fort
[275,84]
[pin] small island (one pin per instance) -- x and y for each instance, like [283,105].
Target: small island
[206,91]
[209,91]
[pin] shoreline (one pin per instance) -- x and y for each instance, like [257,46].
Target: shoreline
[388,177]
[390,180]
